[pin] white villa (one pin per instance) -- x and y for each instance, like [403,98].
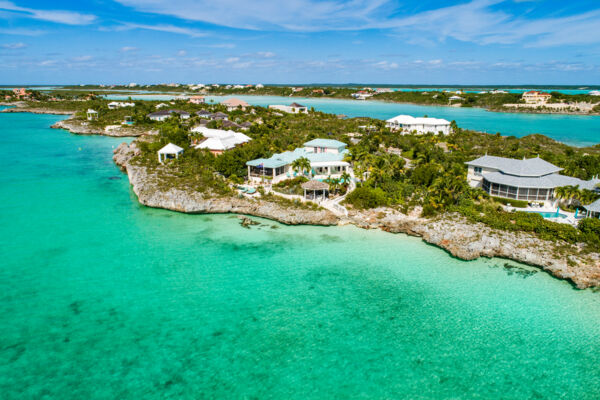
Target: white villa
[535,97]
[217,140]
[326,158]
[293,108]
[527,179]
[119,104]
[164,114]
[170,151]
[409,124]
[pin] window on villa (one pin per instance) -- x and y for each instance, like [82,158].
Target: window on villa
[478,171]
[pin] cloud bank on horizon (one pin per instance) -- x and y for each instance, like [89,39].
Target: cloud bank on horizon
[301,41]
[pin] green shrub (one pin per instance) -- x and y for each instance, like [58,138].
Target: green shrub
[512,202]
[366,197]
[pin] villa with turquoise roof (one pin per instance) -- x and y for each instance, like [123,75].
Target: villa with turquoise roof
[326,158]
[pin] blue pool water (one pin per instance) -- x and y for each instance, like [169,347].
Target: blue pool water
[550,214]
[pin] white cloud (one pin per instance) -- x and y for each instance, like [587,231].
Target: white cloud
[57,16]
[22,32]
[14,46]
[479,21]
[266,54]
[48,63]
[181,53]
[127,49]
[163,28]
[295,15]
[385,65]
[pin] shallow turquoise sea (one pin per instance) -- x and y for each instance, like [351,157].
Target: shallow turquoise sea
[577,130]
[101,298]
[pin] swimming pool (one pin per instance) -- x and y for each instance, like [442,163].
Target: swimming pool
[549,214]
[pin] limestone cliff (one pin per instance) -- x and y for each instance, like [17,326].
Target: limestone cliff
[453,232]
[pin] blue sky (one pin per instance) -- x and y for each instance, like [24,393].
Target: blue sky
[300,41]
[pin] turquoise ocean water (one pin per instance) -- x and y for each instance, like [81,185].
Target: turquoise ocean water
[578,130]
[101,298]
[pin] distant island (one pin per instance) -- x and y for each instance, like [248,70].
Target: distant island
[505,99]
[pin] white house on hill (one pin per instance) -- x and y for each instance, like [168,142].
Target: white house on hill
[119,104]
[293,108]
[408,124]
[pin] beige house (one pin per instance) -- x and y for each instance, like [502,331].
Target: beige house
[535,97]
[196,99]
[235,104]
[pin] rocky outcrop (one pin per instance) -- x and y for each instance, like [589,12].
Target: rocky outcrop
[468,241]
[79,127]
[145,185]
[22,108]
[453,233]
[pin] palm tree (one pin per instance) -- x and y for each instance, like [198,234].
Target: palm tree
[301,165]
[345,179]
[560,192]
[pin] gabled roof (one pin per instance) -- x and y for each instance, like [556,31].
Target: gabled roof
[531,167]
[297,105]
[170,149]
[230,124]
[203,112]
[220,115]
[327,143]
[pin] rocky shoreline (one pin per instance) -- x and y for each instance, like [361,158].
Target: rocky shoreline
[79,127]
[18,108]
[82,128]
[453,233]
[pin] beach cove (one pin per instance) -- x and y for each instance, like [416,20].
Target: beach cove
[102,298]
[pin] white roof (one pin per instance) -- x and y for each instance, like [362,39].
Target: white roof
[216,144]
[218,139]
[410,120]
[527,167]
[221,134]
[90,111]
[170,149]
